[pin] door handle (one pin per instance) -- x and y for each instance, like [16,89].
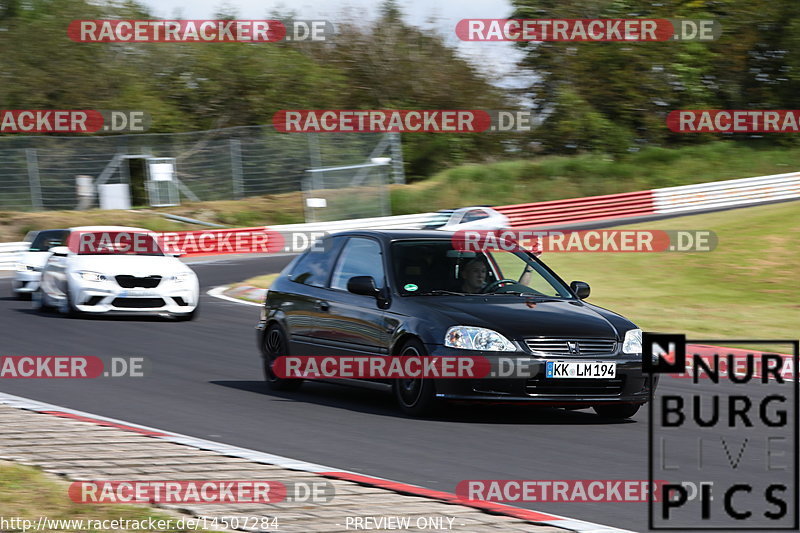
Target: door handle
[323,306]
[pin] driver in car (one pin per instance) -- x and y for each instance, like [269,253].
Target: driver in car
[475,271]
[473,275]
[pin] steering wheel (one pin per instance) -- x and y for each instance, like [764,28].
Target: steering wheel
[496,284]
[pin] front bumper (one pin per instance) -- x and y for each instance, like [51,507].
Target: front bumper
[630,384]
[26,282]
[175,300]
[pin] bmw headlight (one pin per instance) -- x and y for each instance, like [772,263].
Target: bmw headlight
[21,267]
[633,342]
[182,277]
[472,338]
[87,275]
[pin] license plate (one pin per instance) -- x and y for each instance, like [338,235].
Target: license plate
[581,369]
[123,294]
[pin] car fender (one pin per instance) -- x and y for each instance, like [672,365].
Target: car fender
[414,328]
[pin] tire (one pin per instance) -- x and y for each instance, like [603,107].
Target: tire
[620,411]
[415,397]
[21,295]
[68,309]
[37,302]
[273,344]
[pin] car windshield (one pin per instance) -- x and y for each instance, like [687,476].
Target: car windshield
[429,267]
[48,239]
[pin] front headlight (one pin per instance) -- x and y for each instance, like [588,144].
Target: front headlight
[633,342]
[183,276]
[87,275]
[21,267]
[472,338]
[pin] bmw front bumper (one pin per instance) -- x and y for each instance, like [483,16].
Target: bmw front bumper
[172,299]
[26,282]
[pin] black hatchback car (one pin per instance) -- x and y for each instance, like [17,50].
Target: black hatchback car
[415,293]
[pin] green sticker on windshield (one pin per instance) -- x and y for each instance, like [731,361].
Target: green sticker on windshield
[410,287]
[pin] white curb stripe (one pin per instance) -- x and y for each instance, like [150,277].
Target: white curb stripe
[216,292]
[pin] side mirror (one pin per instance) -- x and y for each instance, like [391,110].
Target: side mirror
[60,251]
[363,285]
[580,288]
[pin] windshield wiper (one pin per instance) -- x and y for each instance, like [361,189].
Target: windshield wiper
[437,292]
[531,295]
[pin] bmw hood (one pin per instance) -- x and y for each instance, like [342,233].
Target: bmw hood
[134,265]
[518,318]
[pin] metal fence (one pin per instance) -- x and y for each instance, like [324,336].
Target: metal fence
[40,172]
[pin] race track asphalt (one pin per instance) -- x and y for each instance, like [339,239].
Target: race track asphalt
[205,380]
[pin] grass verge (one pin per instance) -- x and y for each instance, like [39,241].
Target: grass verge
[255,211]
[29,494]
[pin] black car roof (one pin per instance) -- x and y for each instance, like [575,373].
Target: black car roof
[397,234]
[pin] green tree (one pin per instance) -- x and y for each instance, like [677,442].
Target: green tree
[635,84]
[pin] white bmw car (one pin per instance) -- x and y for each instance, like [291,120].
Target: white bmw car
[468,218]
[31,262]
[122,271]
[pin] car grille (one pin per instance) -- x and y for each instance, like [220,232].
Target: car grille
[137,303]
[132,282]
[560,347]
[542,386]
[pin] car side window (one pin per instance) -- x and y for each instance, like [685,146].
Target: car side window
[313,267]
[360,257]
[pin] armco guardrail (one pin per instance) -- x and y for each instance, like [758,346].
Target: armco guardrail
[575,210]
[730,193]
[9,252]
[682,199]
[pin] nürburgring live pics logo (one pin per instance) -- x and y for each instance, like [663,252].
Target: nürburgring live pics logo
[725,438]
